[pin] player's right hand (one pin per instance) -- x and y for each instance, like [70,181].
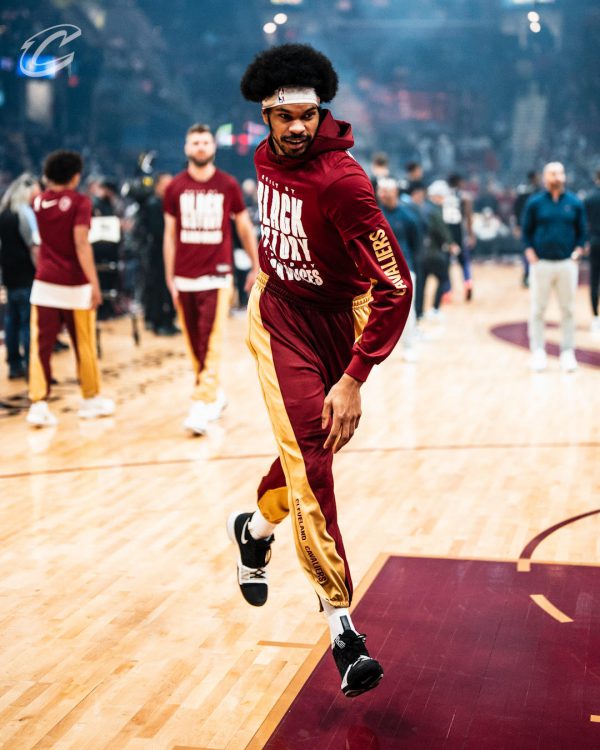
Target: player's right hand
[173,291]
[96,296]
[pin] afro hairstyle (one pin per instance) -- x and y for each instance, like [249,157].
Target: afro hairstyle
[289,65]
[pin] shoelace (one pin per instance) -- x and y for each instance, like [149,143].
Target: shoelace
[354,649]
[249,575]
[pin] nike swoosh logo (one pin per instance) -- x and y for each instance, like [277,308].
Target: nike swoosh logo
[244,538]
[49,204]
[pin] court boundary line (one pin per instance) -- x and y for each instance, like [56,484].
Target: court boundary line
[267,456]
[524,561]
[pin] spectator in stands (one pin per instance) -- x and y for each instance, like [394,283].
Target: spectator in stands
[414,171]
[524,193]
[159,312]
[105,238]
[242,263]
[458,215]
[439,245]
[380,168]
[405,229]
[19,245]
[416,204]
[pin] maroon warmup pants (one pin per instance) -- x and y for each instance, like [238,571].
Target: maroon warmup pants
[202,316]
[46,324]
[301,352]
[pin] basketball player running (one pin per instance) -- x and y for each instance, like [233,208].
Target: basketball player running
[199,204]
[65,290]
[331,300]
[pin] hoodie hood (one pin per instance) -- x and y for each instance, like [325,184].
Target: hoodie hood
[332,135]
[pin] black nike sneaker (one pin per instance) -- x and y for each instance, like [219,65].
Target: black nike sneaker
[359,672]
[254,558]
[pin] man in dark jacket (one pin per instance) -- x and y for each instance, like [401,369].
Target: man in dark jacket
[159,312]
[404,226]
[592,210]
[554,232]
[19,242]
[438,247]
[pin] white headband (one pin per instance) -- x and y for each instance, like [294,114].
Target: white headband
[291,95]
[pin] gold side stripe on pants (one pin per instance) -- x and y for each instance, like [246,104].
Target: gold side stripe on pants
[38,387]
[207,379]
[87,359]
[315,546]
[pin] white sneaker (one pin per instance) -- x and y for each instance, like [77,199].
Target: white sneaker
[39,415]
[539,360]
[91,408]
[434,314]
[216,407]
[568,363]
[410,355]
[595,327]
[197,419]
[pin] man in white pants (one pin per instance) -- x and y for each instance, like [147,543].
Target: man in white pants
[554,232]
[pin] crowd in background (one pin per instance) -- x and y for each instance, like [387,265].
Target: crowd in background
[438,222]
[134,80]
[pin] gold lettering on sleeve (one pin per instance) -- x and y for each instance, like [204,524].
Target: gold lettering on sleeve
[384,253]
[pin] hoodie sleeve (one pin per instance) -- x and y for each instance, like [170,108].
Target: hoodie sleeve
[350,205]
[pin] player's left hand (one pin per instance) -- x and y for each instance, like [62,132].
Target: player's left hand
[342,410]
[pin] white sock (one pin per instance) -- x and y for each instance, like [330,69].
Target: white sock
[259,527]
[338,618]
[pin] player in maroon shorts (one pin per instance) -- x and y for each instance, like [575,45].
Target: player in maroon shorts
[199,204]
[331,300]
[65,290]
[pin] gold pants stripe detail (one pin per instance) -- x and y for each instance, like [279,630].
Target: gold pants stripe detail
[207,381]
[38,386]
[315,547]
[361,316]
[207,378]
[87,358]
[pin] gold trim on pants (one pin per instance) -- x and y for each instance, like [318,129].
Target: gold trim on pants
[87,355]
[207,378]
[315,547]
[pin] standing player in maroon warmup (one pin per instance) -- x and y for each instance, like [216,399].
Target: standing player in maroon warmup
[331,300]
[65,290]
[199,204]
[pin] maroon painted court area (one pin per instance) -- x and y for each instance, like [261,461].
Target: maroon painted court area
[470,662]
[516,333]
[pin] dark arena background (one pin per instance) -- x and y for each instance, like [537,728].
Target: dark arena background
[469,497]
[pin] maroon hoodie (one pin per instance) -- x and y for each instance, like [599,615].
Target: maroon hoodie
[326,241]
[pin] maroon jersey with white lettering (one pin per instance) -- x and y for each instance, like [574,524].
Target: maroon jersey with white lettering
[57,214]
[326,241]
[203,212]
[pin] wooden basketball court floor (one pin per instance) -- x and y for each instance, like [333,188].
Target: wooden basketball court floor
[121,625]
